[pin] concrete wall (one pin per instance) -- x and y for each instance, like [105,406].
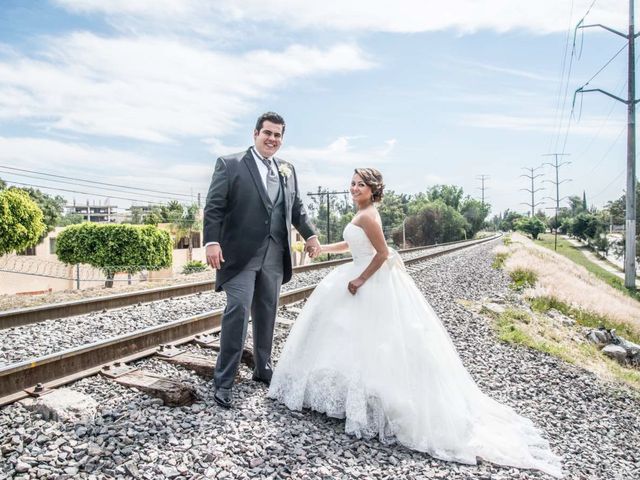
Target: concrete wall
[35,274]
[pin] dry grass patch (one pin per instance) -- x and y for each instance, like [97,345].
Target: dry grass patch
[572,287]
[543,333]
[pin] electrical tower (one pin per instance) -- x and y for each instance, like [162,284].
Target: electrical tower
[557,183]
[630,102]
[482,179]
[533,190]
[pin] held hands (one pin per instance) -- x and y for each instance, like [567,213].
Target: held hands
[313,247]
[354,285]
[214,256]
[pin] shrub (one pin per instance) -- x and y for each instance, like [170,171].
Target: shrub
[194,266]
[115,248]
[531,225]
[21,221]
[498,261]
[523,279]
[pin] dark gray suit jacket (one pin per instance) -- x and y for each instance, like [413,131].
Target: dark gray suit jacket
[237,212]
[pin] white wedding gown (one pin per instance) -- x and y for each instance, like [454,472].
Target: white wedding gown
[382,360]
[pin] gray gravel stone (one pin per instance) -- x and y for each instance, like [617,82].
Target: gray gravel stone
[592,424]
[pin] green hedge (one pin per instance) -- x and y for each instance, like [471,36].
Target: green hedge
[115,248]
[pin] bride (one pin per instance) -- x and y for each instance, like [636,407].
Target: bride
[368,348]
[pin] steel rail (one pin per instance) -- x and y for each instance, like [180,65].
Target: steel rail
[69,365]
[30,315]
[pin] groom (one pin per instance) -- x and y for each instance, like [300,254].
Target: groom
[252,202]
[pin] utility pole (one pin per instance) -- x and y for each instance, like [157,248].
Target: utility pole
[557,183]
[630,216]
[533,190]
[328,194]
[482,178]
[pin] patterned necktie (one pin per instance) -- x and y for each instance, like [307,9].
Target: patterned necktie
[267,164]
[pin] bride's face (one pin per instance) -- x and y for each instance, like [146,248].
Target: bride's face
[360,191]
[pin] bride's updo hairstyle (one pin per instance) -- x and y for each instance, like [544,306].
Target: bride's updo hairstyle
[372,179]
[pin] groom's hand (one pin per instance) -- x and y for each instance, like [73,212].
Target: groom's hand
[312,247]
[214,256]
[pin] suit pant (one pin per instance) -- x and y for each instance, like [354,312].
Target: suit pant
[255,291]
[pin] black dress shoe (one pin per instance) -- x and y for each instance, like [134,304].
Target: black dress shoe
[266,381]
[223,399]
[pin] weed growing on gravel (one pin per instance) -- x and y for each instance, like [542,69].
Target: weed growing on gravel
[506,240]
[501,253]
[540,332]
[522,279]
[508,330]
[585,317]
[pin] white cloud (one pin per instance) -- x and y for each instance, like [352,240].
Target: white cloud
[401,16]
[332,165]
[341,151]
[102,165]
[154,89]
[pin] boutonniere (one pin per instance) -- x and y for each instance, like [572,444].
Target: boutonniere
[285,170]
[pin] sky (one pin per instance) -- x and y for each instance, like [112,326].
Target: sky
[148,93]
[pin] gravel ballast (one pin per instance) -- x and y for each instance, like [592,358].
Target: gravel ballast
[591,424]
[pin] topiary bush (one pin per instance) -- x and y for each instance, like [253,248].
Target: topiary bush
[115,248]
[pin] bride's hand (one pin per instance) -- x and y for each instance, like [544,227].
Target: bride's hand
[354,285]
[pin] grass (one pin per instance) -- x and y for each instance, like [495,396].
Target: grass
[498,261]
[537,331]
[585,317]
[575,254]
[522,278]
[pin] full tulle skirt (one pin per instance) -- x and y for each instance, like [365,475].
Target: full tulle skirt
[382,360]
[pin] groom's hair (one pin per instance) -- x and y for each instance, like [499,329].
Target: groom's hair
[272,117]
[372,179]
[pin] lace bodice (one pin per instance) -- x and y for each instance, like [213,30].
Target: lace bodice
[359,244]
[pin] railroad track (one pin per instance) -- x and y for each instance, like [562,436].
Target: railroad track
[27,316]
[36,376]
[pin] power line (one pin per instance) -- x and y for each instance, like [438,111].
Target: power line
[75,191]
[73,183]
[95,182]
[558,117]
[608,185]
[615,142]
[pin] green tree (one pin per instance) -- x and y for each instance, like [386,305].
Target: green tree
[21,221]
[392,210]
[184,221]
[576,205]
[475,212]
[437,222]
[449,194]
[70,219]
[115,248]
[508,220]
[587,226]
[531,225]
[52,207]
[3,184]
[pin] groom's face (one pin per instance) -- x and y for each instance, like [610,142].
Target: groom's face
[268,139]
